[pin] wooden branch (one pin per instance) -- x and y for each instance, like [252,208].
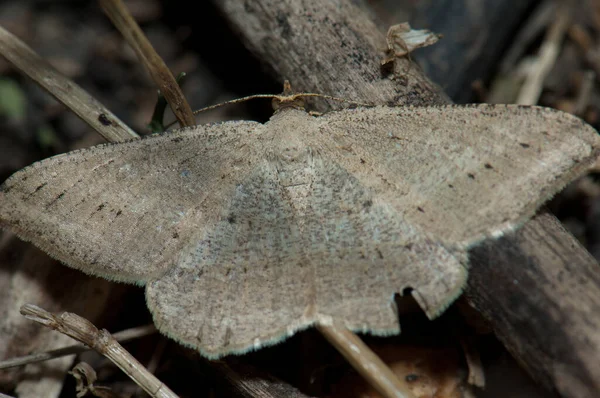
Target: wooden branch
[332,47]
[162,76]
[541,291]
[63,89]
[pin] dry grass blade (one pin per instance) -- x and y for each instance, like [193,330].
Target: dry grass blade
[65,90]
[102,341]
[532,88]
[365,361]
[162,76]
[121,337]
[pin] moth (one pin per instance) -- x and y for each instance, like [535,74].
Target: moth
[244,233]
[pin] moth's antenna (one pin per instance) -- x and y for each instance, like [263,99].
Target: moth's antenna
[287,97]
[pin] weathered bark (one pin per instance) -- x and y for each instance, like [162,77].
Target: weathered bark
[332,47]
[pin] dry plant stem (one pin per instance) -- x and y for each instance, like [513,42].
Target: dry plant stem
[532,28]
[532,88]
[365,361]
[66,91]
[100,340]
[122,336]
[162,76]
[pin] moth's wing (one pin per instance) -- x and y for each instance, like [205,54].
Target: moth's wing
[124,211]
[301,241]
[461,173]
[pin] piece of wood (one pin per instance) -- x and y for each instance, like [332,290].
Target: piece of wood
[342,58]
[245,381]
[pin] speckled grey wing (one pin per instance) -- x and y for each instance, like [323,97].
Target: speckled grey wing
[123,211]
[460,173]
[278,261]
[300,241]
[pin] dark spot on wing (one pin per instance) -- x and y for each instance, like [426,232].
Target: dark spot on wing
[101,207]
[488,166]
[471,176]
[524,145]
[119,213]
[420,209]
[176,139]
[379,253]
[450,186]
[56,199]
[231,219]
[40,187]
[175,235]
[368,204]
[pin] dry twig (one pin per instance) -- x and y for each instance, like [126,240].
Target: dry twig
[122,336]
[162,76]
[102,341]
[365,361]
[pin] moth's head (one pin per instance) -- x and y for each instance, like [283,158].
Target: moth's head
[288,99]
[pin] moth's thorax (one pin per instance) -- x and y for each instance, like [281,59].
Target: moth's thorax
[289,120]
[293,159]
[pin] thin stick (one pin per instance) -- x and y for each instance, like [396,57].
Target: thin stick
[365,361]
[102,341]
[121,337]
[162,76]
[532,88]
[63,89]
